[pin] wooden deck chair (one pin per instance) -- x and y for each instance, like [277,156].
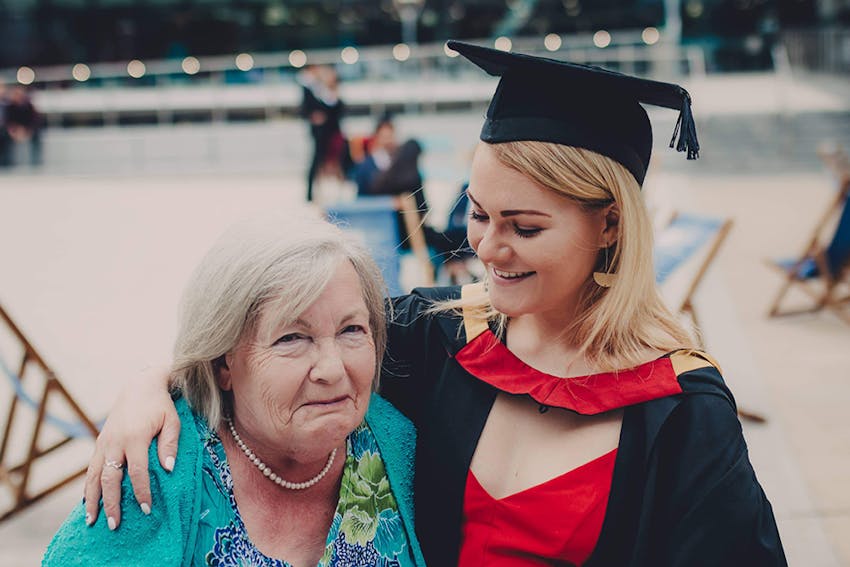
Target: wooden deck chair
[373,220]
[17,475]
[684,250]
[822,271]
[416,237]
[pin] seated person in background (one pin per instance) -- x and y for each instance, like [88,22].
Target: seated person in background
[282,330]
[393,169]
[379,149]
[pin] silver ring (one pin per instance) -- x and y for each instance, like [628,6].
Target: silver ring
[114,464]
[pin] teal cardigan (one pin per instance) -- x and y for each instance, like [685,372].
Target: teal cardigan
[167,536]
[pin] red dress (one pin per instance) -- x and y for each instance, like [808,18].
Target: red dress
[559,521]
[554,523]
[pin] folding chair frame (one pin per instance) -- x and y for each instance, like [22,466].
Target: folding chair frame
[687,305]
[17,476]
[416,237]
[828,296]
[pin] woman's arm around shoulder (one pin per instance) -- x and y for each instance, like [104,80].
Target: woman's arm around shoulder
[144,411]
[163,537]
[415,337]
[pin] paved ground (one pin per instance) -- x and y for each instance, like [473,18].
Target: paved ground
[94,253]
[93,266]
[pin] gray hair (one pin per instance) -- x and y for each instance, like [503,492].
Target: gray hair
[274,265]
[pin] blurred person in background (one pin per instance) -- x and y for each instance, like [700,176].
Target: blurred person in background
[281,335]
[392,168]
[564,415]
[5,138]
[323,109]
[379,149]
[23,122]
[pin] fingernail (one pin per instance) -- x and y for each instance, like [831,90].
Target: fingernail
[110,521]
[169,463]
[88,519]
[146,509]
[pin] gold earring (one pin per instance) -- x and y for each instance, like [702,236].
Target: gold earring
[605,279]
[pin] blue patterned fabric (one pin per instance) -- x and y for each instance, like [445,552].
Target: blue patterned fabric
[367,528]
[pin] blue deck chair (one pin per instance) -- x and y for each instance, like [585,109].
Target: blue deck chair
[687,246]
[820,272]
[16,476]
[823,268]
[373,221]
[691,240]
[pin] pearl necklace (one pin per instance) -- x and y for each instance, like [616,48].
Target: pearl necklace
[267,472]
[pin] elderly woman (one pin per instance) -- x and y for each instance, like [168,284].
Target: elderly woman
[282,330]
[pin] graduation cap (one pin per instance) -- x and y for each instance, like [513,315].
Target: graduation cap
[546,100]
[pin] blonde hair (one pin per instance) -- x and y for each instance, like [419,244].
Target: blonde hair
[276,266]
[614,326]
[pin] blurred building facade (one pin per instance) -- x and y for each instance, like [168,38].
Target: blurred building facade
[735,33]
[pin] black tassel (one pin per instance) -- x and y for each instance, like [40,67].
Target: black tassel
[686,130]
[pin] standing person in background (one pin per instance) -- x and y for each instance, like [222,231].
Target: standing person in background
[564,415]
[322,107]
[23,122]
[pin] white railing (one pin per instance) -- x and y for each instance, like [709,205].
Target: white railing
[428,79]
[822,50]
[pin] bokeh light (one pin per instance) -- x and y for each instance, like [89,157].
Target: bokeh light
[297,58]
[401,52]
[650,36]
[350,55]
[244,62]
[602,39]
[136,69]
[25,76]
[694,9]
[503,43]
[81,72]
[191,65]
[552,42]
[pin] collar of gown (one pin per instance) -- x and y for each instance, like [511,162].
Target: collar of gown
[489,360]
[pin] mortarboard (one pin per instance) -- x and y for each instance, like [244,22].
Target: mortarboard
[546,100]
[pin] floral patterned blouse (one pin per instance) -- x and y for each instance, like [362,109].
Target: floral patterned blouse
[366,529]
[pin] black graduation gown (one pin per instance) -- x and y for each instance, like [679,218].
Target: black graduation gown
[683,491]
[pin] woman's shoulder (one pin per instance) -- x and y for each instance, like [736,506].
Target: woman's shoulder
[422,299]
[388,423]
[691,386]
[140,540]
[699,374]
[394,434]
[414,317]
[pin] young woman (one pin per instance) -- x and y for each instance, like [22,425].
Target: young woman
[563,416]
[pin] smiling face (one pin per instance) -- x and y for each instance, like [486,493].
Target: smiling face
[302,390]
[539,248]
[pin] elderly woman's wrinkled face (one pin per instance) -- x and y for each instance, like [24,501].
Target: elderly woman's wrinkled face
[303,390]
